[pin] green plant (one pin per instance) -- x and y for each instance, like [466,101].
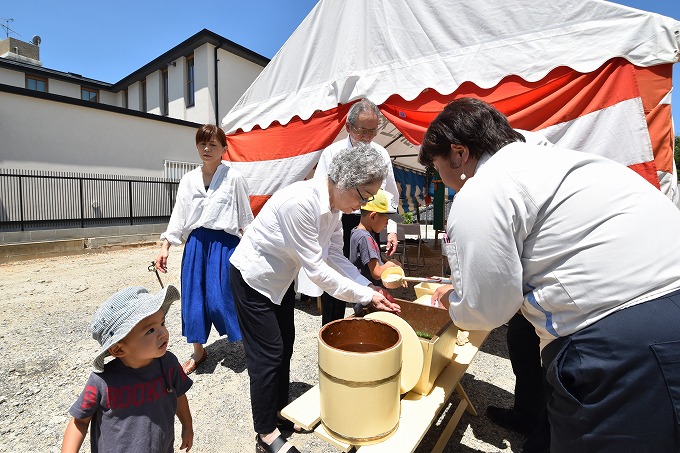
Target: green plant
[677,151]
[425,335]
[407,218]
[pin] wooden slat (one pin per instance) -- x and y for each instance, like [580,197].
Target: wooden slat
[306,409]
[450,426]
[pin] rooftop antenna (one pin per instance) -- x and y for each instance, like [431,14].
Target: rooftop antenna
[6,27]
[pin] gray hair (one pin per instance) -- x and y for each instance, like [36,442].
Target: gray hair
[356,166]
[360,107]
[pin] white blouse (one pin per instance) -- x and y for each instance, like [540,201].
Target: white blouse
[296,230]
[224,206]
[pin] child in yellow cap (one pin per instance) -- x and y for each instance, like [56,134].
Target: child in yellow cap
[364,251]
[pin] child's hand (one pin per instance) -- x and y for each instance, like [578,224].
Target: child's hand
[392,243]
[187,438]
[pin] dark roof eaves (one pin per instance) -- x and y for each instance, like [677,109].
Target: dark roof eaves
[95,105]
[187,47]
[53,73]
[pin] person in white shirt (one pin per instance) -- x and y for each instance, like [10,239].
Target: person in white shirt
[362,127]
[588,251]
[298,229]
[211,211]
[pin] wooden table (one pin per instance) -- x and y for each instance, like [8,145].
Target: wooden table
[418,412]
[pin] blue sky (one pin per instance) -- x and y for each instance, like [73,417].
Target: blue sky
[108,40]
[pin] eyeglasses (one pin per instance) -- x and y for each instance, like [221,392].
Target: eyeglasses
[364,200]
[364,131]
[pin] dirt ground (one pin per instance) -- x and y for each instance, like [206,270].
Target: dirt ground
[45,355]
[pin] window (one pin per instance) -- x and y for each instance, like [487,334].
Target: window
[89,94]
[125,98]
[165,95]
[143,95]
[36,83]
[191,85]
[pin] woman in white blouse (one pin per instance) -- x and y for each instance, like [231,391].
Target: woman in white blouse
[299,228]
[210,213]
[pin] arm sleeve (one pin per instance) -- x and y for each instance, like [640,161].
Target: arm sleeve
[338,261]
[391,187]
[245,214]
[173,232]
[90,399]
[322,166]
[299,228]
[180,381]
[485,256]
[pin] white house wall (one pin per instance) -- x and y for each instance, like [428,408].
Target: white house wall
[177,82]
[203,110]
[114,143]
[108,98]
[153,93]
[236,75]
[12,78]
[62,88]
[134,96]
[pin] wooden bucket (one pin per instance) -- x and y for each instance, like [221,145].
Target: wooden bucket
[359,376]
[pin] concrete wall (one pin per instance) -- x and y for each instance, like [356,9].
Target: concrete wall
[41,134]
[17,246]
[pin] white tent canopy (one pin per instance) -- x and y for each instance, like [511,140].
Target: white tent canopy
[404,46]
[608,66]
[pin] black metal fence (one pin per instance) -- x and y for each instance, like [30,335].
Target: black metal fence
[34,200]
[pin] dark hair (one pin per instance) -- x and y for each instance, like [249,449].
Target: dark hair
[206,132]
[468,122]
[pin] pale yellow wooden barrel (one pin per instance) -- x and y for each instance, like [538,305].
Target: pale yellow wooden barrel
[359,375]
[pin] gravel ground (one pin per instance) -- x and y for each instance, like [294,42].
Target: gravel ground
[45,354]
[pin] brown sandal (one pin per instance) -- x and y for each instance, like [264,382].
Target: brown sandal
[191,364]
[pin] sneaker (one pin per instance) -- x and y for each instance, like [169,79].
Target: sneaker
[509,419]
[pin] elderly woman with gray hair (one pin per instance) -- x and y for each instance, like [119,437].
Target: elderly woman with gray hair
[297,229]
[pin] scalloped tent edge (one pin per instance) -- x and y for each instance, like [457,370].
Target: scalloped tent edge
[418,55]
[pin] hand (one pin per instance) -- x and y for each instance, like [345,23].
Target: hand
[187,439]
[385,293]
[383,301]
[391,244]
[440,298]
[162,258]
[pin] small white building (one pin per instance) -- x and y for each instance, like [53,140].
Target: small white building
[142,125]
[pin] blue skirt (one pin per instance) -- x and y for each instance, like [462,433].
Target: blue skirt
[206,291]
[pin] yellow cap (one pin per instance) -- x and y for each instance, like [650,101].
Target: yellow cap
[380,203]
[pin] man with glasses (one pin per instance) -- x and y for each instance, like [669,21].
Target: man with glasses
[361,126]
